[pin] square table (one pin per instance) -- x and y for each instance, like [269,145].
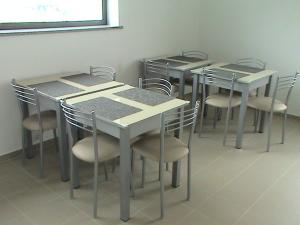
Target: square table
[53,88]
[126,112]
[180,67]
[248,79]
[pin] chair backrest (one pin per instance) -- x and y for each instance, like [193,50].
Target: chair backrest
[26,95]
[252,62]
[196,54]
[156,69]
[104,72]
[177,121]
[159,85]
[285,83]
[78,119]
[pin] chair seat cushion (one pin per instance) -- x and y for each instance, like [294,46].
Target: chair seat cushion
[48,121]
[149,147]
[108,148]
[264,104]
[222,100]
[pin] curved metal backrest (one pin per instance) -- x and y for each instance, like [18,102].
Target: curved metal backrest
[196,54]
[252,62]
[156,69]
[177,121]
[104,72]
[27,95]
[285,83]
[159,85]
[212,77]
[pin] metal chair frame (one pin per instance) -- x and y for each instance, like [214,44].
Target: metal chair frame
[104,72]
[210,77]
[29,96]
[86,122]
[283,83]
[185,118]
[156,69]
[252,62]
[159,84]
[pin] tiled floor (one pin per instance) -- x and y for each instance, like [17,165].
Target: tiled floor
[229,187]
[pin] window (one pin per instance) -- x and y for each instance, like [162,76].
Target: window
[36,14]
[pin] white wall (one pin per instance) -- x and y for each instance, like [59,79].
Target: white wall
[150,28]
[266,29]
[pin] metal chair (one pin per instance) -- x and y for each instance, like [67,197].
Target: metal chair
[164,147]
[219,101]
[271,104]
[93,149]
[155,70]
[104,72]
[40,121]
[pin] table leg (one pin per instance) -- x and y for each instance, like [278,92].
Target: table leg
[181,85]
[27,135]
[263,114]
[125,174]
[62,142]
[242,116]
[195,89]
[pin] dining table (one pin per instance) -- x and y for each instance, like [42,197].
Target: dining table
[179,67]
[247,80]
[53,88]
[127,112]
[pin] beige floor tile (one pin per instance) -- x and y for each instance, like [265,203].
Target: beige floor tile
[8,212]
[197,218]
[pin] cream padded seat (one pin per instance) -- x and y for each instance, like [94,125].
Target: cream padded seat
[109,148]
[222,100]
[48,119]
[150,148]
[264,104]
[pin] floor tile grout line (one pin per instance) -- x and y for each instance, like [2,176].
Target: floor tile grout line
[266,191]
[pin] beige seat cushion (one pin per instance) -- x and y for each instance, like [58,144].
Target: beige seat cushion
[222,100]
[108,148]
[264,104]
[149,147]
[48,121]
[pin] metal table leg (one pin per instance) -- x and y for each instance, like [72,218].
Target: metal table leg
[195,89]
[125,174]
[263,114]
[27,135]
[242,116]
[181,86]
[62,142]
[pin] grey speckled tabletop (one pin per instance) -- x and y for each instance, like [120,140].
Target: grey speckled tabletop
[242,68]
[228,74]
[56,88]
[185,58]
[106,108]
[144,96]
[86,79]
[171,63]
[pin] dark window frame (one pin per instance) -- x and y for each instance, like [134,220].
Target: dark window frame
[58,24]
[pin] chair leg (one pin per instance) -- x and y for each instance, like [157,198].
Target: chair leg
[71,175]
[201,119]
[41,172]
[132,174]
[95,189]
[167,166]
[219,114]
[269,130]
[23,148]
[105,171]
[215,118]
[257,121]
[283,126]
[232,113]
[55,140]
[189,177]
[143,171]
[255,118]
[162,190]
[226,126]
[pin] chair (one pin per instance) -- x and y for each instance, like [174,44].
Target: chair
[104,72]
[92,149]
[272,105]
[158,85]
[219,101]
[252,62]
[156,70]
[165,148]
[40,121]
[189,79]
